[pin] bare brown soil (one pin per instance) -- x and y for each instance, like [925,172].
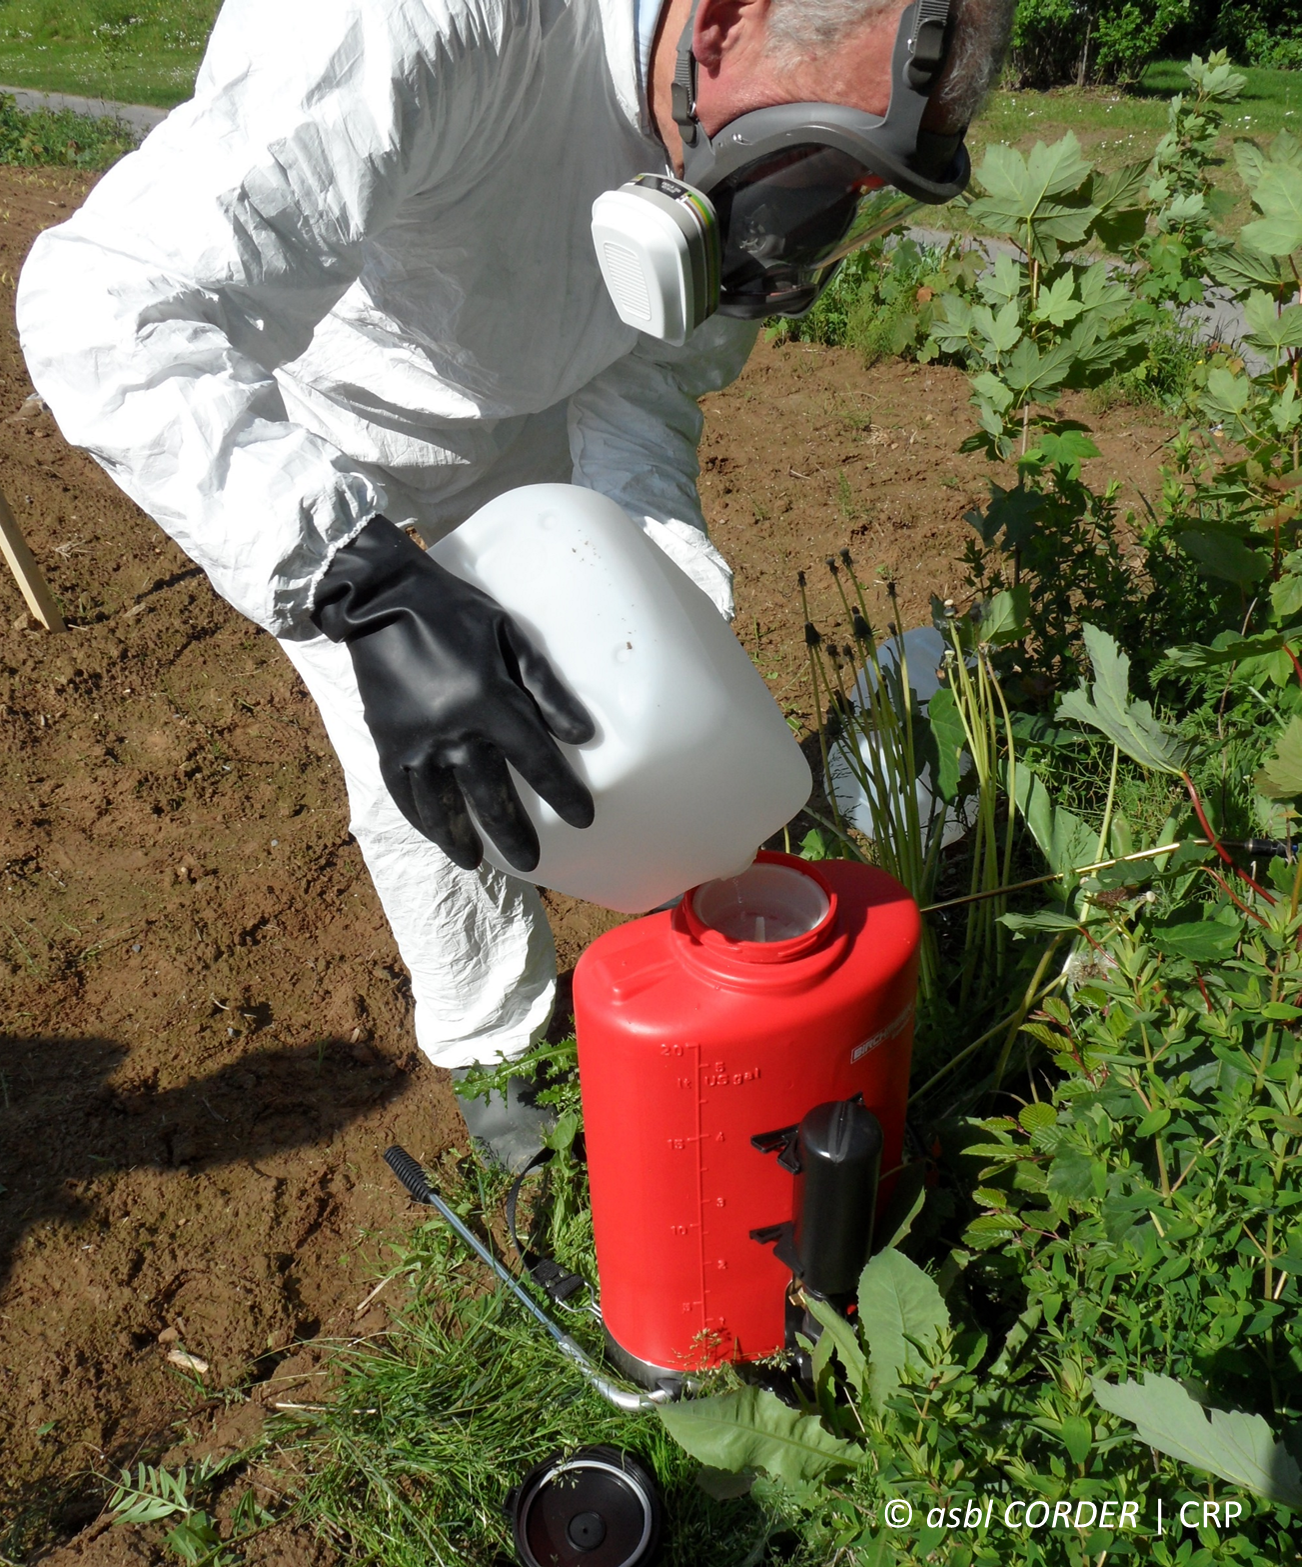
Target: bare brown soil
[204,1034]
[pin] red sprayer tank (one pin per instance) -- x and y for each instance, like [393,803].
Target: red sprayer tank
[733,1014]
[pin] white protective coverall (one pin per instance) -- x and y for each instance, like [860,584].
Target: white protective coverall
[354,275]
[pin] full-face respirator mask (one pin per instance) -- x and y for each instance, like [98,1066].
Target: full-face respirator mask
[768,209]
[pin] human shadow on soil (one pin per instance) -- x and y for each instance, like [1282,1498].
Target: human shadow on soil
[64,1120]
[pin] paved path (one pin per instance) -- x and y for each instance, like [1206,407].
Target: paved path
[140,117]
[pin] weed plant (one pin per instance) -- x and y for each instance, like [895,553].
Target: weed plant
[1113,1254]
[881,301]
[42,138]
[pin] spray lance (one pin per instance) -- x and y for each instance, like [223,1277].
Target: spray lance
[598,1505]
[629,1400]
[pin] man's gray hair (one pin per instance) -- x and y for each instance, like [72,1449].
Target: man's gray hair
[979,31]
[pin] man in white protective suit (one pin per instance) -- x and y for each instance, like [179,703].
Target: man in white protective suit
[350,289]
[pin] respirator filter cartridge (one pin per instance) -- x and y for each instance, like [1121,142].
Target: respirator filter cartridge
[657,243]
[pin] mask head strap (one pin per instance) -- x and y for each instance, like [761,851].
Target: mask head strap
[683,92]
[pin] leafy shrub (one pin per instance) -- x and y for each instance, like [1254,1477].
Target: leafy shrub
[1255,32]
[882,301]
[1116,1313]
[1056,42]
[45,137]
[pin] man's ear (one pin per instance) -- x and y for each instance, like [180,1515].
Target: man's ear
[723,24]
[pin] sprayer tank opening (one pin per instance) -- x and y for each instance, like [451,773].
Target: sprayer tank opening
[765,903]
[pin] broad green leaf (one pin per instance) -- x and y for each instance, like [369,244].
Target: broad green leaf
[1128,723]
[843,1340]
[1035,375]
[1154,1121]
[1058,169]
[898,1302]
[1272,328]
[1119,197]
[1279,195]
[1066,450]
[953,324]
[1281,776]
[1226,394]
[1243,266]
[1002,282]
[1001,331]
[1122,188]
[991,1229]
[951,739]
[1184,208]
[1204,941]
[1037,1117]
[1286,410]
[1058,304]
[1064,839]
[752,1429]
[1240,1449]
[1077,1437]
[562,1135]
[1002,174]
[988,386]
[1222,555]
[1233,649]
[1004,617]
[1043,201]
[1250,160]
[1036,729]
[1274,818]
[1101,294]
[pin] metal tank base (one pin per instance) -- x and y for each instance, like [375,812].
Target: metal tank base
[643,1373]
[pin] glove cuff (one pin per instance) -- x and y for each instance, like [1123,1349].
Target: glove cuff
[374,560]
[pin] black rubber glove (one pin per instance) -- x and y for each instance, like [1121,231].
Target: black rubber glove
[452,690]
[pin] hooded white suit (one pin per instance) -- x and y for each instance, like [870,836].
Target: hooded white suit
[354,275]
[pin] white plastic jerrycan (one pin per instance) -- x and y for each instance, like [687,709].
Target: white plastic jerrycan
[692,766]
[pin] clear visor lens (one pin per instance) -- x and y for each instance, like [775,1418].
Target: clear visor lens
[787,219]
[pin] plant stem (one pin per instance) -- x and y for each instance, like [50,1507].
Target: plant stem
[1019,1017]
[1022,1009]
[1107,808]
[1216,843]
[1079,870]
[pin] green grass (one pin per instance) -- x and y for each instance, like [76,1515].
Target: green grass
[133,53]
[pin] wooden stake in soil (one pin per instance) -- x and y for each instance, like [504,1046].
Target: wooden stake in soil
[26,572]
